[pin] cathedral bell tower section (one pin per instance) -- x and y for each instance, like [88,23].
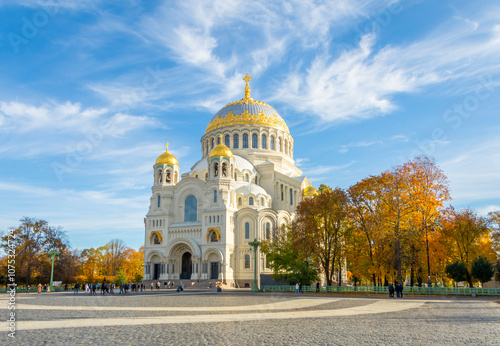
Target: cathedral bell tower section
[221,174]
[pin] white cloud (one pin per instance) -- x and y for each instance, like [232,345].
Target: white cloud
[361,81]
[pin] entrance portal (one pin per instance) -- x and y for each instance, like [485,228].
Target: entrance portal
[156,271]
[214,270]
[187,266]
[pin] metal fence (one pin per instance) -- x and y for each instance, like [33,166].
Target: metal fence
[447,291]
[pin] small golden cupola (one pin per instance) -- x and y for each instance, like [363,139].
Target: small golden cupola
[221,149]
[310,191]
[166,158]
[166,169]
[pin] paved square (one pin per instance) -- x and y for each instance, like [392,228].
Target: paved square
[236,317]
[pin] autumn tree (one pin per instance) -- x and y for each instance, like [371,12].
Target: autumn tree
[429,187]
[494,219]
[32,239]
[365,199]
[322,228]
[468,234]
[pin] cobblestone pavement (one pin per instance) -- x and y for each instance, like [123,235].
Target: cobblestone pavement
[235,317]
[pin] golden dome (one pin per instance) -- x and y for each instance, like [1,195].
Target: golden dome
[247,111]
[310,191]
[221,149]
[166,158]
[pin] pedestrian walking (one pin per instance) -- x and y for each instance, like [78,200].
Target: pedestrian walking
[77,286]
[39,288]
[297,288]
[391,291]
[152,286]
[300,288]
[28,289]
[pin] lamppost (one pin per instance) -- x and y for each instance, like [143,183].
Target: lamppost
[52,255]
[255,245]
[428,260]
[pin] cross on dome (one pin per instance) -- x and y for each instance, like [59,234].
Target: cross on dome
[247,87]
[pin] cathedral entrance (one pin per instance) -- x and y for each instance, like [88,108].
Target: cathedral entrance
[187,266]
[156,271]
[214,270]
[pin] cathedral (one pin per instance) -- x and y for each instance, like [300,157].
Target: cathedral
[245,186]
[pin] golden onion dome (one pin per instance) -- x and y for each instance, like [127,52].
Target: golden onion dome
[247,111]
[166,158]
[221,149]
[310,191]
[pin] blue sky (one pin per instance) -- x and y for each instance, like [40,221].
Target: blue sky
[90,93]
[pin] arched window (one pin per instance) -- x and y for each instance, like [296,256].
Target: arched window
[191,209]
[247,230]
[291,197]
[264,142]
[212,143]
[250,201]
[247,261]
[167,177]
[218,140]
[224,169]
[246,177]
[286,147]
[282,193]
[215,196]
[280,144]
[236,141]
[209,219]
[159,201]
[160,177]
[272,142]
[235,177]
[262,202]
[245,140]
[255,141]
[240,201]
[268,230]
[226,140]
[216,169]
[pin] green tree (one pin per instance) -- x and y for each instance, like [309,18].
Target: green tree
[121,278]
[288,261]
[482,269]
[456,271]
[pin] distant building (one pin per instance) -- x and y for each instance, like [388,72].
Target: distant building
[245,186]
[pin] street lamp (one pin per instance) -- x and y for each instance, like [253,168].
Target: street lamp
[52,255]
[255,245]
[428,260]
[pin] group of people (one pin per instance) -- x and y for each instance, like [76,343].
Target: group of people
[398,288]
[40,288]
[108,288]
[298,288]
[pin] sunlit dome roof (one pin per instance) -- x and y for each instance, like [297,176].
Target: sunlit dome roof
[221,149]
[247,111]
[310,191]
[166,158]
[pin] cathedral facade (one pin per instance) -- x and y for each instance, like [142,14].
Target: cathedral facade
[245,186]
